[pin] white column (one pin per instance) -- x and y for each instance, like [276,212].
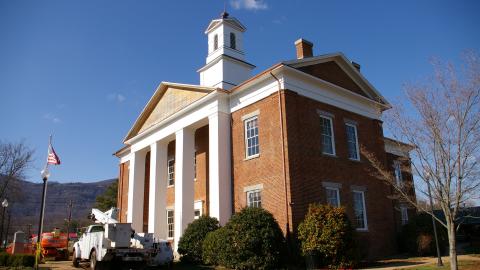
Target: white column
[136,179]
[157,218]
[184,151]
[220,184]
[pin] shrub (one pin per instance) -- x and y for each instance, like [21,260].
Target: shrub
[17,260]
[251,239]
[216,246]
[327,236]
[190,244]
[416,237]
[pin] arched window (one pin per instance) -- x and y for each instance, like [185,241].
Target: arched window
[215,42]
[233,41]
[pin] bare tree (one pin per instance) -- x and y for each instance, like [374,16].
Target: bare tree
[15,160]
[440,120]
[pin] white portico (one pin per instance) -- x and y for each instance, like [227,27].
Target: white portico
[206,106]
[181,123]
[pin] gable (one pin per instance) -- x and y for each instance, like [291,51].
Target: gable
[172,101]
[168,99]
[331,72]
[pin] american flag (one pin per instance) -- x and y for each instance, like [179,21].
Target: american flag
[52,156]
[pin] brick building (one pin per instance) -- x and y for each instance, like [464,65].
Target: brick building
[282,139]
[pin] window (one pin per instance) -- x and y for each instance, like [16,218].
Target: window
[359,208]
[215,42]
[352,141]
[327,135]
[398,172]
[233,42]
[254,198]
[170,223]
[251,137]
[171,172]
[197,213]
[333,196]
[404,212]
[195,166]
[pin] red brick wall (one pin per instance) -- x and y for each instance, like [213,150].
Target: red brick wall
[266,169]
[307,167]
[408,178]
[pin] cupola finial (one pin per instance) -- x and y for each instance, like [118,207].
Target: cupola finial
[224,14]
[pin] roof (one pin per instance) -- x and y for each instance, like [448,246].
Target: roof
[233,22]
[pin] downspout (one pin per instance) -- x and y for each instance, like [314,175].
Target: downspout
[280,111]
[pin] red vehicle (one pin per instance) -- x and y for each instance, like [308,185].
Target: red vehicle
[54,244]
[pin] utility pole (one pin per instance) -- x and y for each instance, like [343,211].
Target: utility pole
[70,206]
[8,228]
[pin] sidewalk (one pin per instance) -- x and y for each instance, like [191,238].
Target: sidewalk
[417,261]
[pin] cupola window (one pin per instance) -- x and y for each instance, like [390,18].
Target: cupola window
[215,42]
[233,41]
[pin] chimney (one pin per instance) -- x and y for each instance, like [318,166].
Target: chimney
[304,48]
[356,65]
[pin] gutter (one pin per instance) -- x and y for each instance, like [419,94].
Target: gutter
[280,111]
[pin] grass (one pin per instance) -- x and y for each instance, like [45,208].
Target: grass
[462,265]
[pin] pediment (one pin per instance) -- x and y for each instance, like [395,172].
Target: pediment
[166,101]
[331,72]
[337,69]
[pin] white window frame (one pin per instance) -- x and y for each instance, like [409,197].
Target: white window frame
[337,192]
[245,122]
[172,224]
[365,228]
[397,170]
[404,214]
[356,141]
[248,198]
[170,174]
[197,206]
[330,119]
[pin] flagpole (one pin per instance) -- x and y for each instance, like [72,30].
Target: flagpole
[45,174]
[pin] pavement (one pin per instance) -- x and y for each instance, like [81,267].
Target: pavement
[393,264]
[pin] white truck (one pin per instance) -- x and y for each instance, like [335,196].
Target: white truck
[109,242]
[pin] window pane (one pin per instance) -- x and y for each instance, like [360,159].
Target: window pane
[254,198]
[326,133]
[358,202]
[251,133]
[352,142]
[332,197]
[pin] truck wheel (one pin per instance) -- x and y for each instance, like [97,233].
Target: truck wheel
[93,261]
[75,261]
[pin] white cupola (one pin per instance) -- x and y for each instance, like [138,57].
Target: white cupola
[225,66]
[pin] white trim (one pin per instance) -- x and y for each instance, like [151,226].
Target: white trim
[325,113]
[333,136]
[356,141]
[253,187]
[331,185]
[250,115]
[365,228]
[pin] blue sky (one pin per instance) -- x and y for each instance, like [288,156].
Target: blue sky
[83,70]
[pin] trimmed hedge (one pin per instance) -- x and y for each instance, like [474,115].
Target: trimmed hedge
[190,244]
[17,260]
[251,239]
[416,237]
[326,237]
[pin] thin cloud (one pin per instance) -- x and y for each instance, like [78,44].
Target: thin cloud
[280,20]
[249,4]
[119,98]
[52,117]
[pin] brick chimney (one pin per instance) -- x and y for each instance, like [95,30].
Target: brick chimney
[304,48]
